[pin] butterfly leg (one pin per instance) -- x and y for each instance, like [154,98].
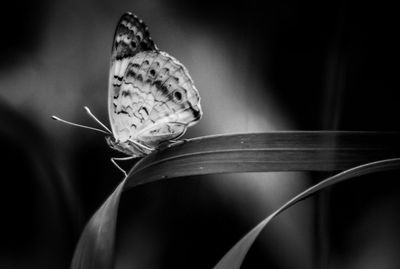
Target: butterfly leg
[113,160]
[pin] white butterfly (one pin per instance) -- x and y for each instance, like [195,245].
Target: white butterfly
[151,96]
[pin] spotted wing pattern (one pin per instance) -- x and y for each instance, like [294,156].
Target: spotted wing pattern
[131,36]
[152,97]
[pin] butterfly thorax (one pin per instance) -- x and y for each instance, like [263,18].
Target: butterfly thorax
[126,147]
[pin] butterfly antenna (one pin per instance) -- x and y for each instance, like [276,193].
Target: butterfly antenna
[94,117]
[78,125]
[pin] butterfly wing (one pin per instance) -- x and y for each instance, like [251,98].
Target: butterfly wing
[152,97]
[131,37]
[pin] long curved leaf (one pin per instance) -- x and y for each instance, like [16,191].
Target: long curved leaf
[266,152]
[260,152]
[233,259]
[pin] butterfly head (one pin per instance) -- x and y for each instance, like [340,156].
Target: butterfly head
[112,142]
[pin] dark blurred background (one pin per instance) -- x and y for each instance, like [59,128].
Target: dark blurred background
[259,66]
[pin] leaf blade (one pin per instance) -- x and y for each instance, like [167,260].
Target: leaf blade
[266,152]
[233,259]
[96,244]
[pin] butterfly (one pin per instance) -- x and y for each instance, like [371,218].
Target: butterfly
[151,96]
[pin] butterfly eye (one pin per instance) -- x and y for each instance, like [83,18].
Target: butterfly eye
[178,96]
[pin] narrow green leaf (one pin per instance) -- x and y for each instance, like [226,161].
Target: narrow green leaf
[235,256]
[260,152]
